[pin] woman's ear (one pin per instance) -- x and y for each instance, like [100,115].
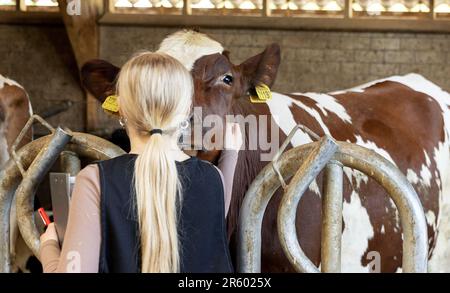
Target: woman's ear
[99,78]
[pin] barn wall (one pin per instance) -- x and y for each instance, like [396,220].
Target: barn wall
[311,61]
[40,59]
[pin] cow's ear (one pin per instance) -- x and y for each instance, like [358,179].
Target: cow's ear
[99,78]
[262,68]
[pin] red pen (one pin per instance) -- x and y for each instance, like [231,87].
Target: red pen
[44,217]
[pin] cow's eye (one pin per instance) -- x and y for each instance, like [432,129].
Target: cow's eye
[227,79]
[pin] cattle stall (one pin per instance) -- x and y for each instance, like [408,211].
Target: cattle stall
[343,105]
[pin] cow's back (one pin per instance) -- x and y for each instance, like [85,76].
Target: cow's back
[406,120]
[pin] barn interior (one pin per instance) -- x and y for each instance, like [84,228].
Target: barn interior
[326,45]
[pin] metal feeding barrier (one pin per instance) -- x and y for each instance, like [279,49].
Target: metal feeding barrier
[303,164]
[27,168]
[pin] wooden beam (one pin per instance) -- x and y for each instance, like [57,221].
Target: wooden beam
[110,5]
[83,33]
[432,14]
[187,9]
[20,5]
[266,11]
[348,9]
[285,23]
[29,17]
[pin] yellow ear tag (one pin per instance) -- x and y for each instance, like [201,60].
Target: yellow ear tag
[263,94]
[111,104]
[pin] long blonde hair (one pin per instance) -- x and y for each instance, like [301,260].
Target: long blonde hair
[155,92]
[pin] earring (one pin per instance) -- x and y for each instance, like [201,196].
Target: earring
[184,125]
[184,139]
[122,121]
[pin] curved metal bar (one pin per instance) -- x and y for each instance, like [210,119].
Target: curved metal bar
[315,161]
[255,203]
[22,134]
[412,218]
[70,163]
[83,144]
[10,177]
[34,176]
[285,144]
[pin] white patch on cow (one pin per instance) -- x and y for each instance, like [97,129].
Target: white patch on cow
[431,219]
[412,176]
[314,114]
[188,46]
[279,107]
[314,187]
[427,158]
[4,80]
[382,231]
[357,175]
[327,103]
[373,146]
[399,270]
[425,174]
[424,179]
[357,233]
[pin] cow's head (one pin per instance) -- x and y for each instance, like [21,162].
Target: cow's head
[218,82]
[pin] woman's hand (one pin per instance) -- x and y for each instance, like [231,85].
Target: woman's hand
[50,234]
[233,137]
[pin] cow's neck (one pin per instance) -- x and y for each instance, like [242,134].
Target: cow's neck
[249,162]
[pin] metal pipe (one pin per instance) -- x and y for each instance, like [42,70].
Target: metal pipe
[57,109]
[332,200]
[315,161]
[412,218]
[10,177]
[22,134]
[70,163]
[33,177]
[83,144]
[255,203]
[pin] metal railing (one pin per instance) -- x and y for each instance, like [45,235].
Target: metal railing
[26,170]
[304,163]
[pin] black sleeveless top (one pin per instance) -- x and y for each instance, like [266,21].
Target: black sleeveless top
[201,227]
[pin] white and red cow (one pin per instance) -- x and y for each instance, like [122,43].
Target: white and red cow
[406,119]
[15,110]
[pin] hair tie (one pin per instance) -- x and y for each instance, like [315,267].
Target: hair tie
[156,131]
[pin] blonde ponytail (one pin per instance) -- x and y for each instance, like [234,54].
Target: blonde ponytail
[155,92]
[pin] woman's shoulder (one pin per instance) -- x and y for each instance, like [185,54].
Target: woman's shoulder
[88,172]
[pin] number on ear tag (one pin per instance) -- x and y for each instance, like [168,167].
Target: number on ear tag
[111,104]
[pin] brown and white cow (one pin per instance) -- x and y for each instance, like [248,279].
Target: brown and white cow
[406,119]
[15,110]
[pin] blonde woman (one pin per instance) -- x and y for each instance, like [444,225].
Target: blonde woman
[155,209]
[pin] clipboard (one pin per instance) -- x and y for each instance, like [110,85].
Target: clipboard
[61,185]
